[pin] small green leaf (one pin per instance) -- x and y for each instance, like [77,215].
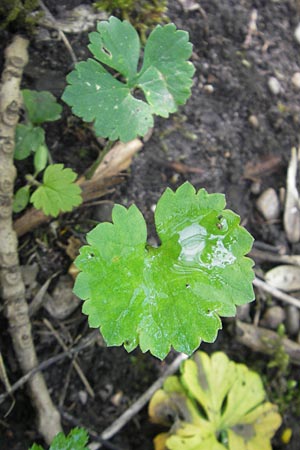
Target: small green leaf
[21,199]
[120,54]
[214,397]
[166,78]
[41,106]
[173,295]
[95,94]
[166,75]
[58,193]
[76,440]
[41,158]
[28,140]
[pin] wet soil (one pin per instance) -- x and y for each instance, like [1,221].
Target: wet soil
[233,136]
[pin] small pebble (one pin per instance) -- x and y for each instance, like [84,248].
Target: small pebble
[103,212]
[268,204]
[253,120]
[273,317]
[62,302]
[274,85]
[106,392]
[116,399]
[297,34]
[243,312]
[174,178]
[256,187]
[292,320]
[296,80]
[83,397]
[208,88]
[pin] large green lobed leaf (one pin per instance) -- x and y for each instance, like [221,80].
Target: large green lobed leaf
[165,79]
[95,95]
[173,295]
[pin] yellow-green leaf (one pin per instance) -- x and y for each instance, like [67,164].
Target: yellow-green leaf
[216,404]
[58,193]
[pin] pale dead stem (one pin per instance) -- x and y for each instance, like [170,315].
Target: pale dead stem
[12,286]
[265,341]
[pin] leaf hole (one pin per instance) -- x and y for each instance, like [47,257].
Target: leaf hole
[106,52]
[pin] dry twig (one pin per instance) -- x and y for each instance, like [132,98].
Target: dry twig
[252,28]
[86,342]
[276,292]
[291,216]
[118,424]
[60,32]
[12,285]
[266,341]
[262,255]
[74,362]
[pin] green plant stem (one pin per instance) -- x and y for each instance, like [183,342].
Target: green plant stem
[31,179]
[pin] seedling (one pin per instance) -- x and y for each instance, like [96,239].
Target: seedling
[76,440]
[172,295]
[216,404]
[40,107]
[165,79]
[57,192]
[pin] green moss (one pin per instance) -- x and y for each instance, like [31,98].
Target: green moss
[111,5]
[143,14]
[17,14]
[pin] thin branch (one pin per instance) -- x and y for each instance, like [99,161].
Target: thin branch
[60,32]
[264,255]
[265,341]
[12,285]
[89,340]
[74,362]
[118,424]
[276,292]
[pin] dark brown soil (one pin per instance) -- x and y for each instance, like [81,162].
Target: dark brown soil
[210,142]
